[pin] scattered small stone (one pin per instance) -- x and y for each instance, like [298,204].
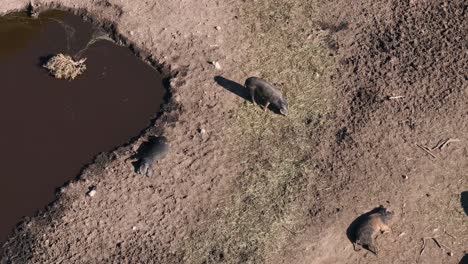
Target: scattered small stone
[202,131]
[218,28]
[404,177]
[216,65]
[134,228]
[92,191]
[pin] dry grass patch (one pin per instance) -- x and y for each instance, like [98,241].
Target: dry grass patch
[63,66]
[277,151]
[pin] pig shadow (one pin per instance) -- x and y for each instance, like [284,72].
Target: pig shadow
[233,87]
[352,229]
[464,201]
[464,260]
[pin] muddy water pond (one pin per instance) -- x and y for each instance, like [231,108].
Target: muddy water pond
[51,128]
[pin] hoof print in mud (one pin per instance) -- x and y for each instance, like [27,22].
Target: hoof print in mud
[148,153]
[364,230]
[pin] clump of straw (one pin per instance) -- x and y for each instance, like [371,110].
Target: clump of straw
[65,67]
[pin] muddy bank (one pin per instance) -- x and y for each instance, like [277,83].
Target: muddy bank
[133,218]
[52,128]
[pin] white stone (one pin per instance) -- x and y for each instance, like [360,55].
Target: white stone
[92,193]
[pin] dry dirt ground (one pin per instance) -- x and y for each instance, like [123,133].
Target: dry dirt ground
[370,84]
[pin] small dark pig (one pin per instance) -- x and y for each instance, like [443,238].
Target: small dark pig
[370,227]
[148,153]
[269,93]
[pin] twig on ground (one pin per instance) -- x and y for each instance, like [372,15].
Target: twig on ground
[423,246]
[287,229]
[442,246]
[395,97]
[437,242]
[443,143]
[427,150]
[452,236]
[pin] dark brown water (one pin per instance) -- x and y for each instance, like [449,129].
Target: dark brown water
[51,128]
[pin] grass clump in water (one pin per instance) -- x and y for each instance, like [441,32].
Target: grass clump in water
[63,66]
